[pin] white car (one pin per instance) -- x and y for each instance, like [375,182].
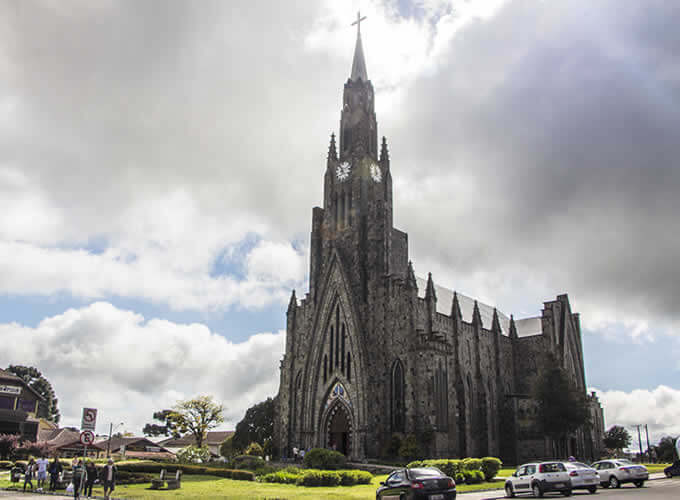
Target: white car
[583,477]
[616,471]
[538,478]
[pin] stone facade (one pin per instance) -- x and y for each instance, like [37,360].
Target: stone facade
[373,351]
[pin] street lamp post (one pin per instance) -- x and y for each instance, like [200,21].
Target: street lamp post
[108,443]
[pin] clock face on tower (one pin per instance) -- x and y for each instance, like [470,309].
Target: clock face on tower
[376,173]
[342,171]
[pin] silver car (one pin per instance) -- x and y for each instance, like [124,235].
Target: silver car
[538,478]
[583,477]
[616,471]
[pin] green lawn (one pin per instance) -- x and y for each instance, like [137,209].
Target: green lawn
[196,486]
[212,487]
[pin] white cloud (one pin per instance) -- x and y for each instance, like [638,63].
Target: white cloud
[112,359]
[658,408]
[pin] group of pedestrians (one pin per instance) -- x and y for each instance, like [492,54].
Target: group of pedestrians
[37,469]
[84,475]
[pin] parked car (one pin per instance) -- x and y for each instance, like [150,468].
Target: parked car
[617,471]
[583,477]
[673,470]
[538,478]
[418,483]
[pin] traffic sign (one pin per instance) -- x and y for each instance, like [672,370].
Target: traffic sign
[87,437]
[89,421]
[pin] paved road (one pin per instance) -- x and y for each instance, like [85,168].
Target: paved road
[659,489]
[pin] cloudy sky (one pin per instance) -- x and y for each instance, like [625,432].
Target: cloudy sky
[159,162]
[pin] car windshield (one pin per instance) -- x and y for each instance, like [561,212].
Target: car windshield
[625,461]
[424,473]
[576,465]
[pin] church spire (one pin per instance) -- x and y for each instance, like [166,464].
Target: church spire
[359,63]
[332,152]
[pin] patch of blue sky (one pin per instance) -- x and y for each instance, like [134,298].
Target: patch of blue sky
[236,325]
[617,363]
[29,310]
[413,9]
[231,260]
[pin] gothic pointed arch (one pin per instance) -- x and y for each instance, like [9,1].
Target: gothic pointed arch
[397,391]
[336,337]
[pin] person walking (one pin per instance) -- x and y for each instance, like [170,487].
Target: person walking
[78,474]
[54,469]
[42,464]
[91,477]
[108,478]
[28,473]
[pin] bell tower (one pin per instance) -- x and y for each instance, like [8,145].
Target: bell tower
[356,219]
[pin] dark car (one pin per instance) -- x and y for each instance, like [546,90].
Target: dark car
[673,470]
[418,483]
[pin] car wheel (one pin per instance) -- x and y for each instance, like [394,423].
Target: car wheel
[614,482]
[537,491]
[668,474]
[509,492]
[639,484]
[566,493]
[592,490]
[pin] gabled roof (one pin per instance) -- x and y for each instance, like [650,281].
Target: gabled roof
[212,438]
[525,327]
[118,442]
[9,376]
[66,438]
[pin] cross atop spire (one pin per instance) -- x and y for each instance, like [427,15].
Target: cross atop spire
[358,22]
[359,64]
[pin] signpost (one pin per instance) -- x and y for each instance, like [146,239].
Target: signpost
[87,426]
[89,420]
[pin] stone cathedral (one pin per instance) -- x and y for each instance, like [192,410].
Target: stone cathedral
[374,351]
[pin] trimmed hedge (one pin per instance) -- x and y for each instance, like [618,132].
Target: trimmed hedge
[319,477]
[490,467]
[473,476]
[248,462]
[323,459]
[458,469]
[155,468]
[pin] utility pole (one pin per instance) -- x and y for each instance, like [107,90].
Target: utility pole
[639,441]
[649,449]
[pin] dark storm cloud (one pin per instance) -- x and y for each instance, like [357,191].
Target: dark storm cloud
[567,120]
[540,146]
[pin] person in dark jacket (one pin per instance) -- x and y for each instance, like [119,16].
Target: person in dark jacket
[91,477]
[78,475]
[54,469]
[28,473]
[108,477]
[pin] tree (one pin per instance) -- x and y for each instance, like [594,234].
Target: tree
[47,409]
[8,443]
[665,450]
[227,447]
[257,426]
[193,454]
[617,438]
[169,429]
[197,416]
[562,408]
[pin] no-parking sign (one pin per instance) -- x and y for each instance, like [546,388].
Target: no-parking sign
[89,421]
[87,437]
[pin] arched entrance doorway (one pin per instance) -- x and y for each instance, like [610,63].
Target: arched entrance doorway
[339,430]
